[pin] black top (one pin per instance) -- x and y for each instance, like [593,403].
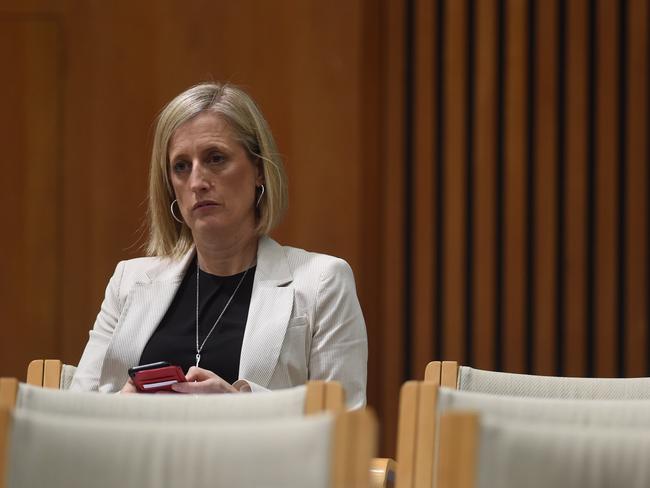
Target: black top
[174,340]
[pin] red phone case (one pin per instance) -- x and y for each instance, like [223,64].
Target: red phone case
[153,380]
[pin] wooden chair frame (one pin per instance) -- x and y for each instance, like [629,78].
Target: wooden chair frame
[416,434]
[45,373]
[458,450]
[442,373]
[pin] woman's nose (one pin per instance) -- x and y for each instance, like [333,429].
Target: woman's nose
[198,178]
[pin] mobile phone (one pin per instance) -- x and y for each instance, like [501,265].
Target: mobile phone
[150,378]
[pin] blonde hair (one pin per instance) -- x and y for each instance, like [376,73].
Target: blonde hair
[167,237]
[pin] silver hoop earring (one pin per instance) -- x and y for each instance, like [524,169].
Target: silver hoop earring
[257,204]
[171,209]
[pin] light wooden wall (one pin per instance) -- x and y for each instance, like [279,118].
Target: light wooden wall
[482,164]
[82,83]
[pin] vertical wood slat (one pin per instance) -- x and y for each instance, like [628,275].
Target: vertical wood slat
[454,178]
[575,159]
[392,340]
[424,233]
[30,271]
[545,181]
[485,154]
[515,154]
[606,189]
[637,245]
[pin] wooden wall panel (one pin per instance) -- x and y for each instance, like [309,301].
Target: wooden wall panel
[485,145]
[636,198]
[424,184]
[454,171]
[545,194]
[30,197]
[576,115]
[543,242]
[606,188]
[515,213]
[393,208]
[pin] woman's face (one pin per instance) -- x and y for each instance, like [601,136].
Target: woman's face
[213,178]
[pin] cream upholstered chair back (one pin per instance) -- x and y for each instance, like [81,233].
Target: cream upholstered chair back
[66,451]
[471,379]
[448,373]
[187,408]
[485,452]
[422,403]
[602,413]
[319,396]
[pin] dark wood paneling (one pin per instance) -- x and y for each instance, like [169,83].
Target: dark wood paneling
[454,194]
[485,182]
[393,207]
[515,185]
[606,188]
[636,203]
[424,184]
[546,187]
[31,193]
[576,116]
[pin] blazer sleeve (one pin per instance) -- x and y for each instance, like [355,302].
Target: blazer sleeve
[86,377]
[339,347]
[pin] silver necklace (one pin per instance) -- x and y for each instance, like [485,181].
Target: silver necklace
[199,348]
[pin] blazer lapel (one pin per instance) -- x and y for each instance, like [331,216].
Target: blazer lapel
[146,305]
[269,313]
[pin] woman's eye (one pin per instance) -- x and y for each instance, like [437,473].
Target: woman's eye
[216,158]
[180,166]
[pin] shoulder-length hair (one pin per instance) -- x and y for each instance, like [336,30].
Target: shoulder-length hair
[167,237]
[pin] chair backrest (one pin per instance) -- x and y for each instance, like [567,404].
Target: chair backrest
[56,451]
[190,408]
[319,396]
[484,451]
[422,403]
[442,373]
[46,373]
[449,374]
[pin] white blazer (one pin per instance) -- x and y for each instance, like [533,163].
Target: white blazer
[304,322]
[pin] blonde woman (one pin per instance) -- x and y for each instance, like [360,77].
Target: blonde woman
[216,296]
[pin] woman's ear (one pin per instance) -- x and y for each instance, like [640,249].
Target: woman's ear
[259,168]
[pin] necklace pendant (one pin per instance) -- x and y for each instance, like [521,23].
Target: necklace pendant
[198,358]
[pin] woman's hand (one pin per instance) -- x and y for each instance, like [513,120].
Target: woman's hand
[201,380]
[129,387]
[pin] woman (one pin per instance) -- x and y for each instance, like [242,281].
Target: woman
[217,296]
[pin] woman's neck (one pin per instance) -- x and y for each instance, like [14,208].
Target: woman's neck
[226,258]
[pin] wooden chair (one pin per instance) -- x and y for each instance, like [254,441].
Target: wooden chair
[449,374]
[416,434]
[421,404]
[480,450]
[59,450]
[321,396]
